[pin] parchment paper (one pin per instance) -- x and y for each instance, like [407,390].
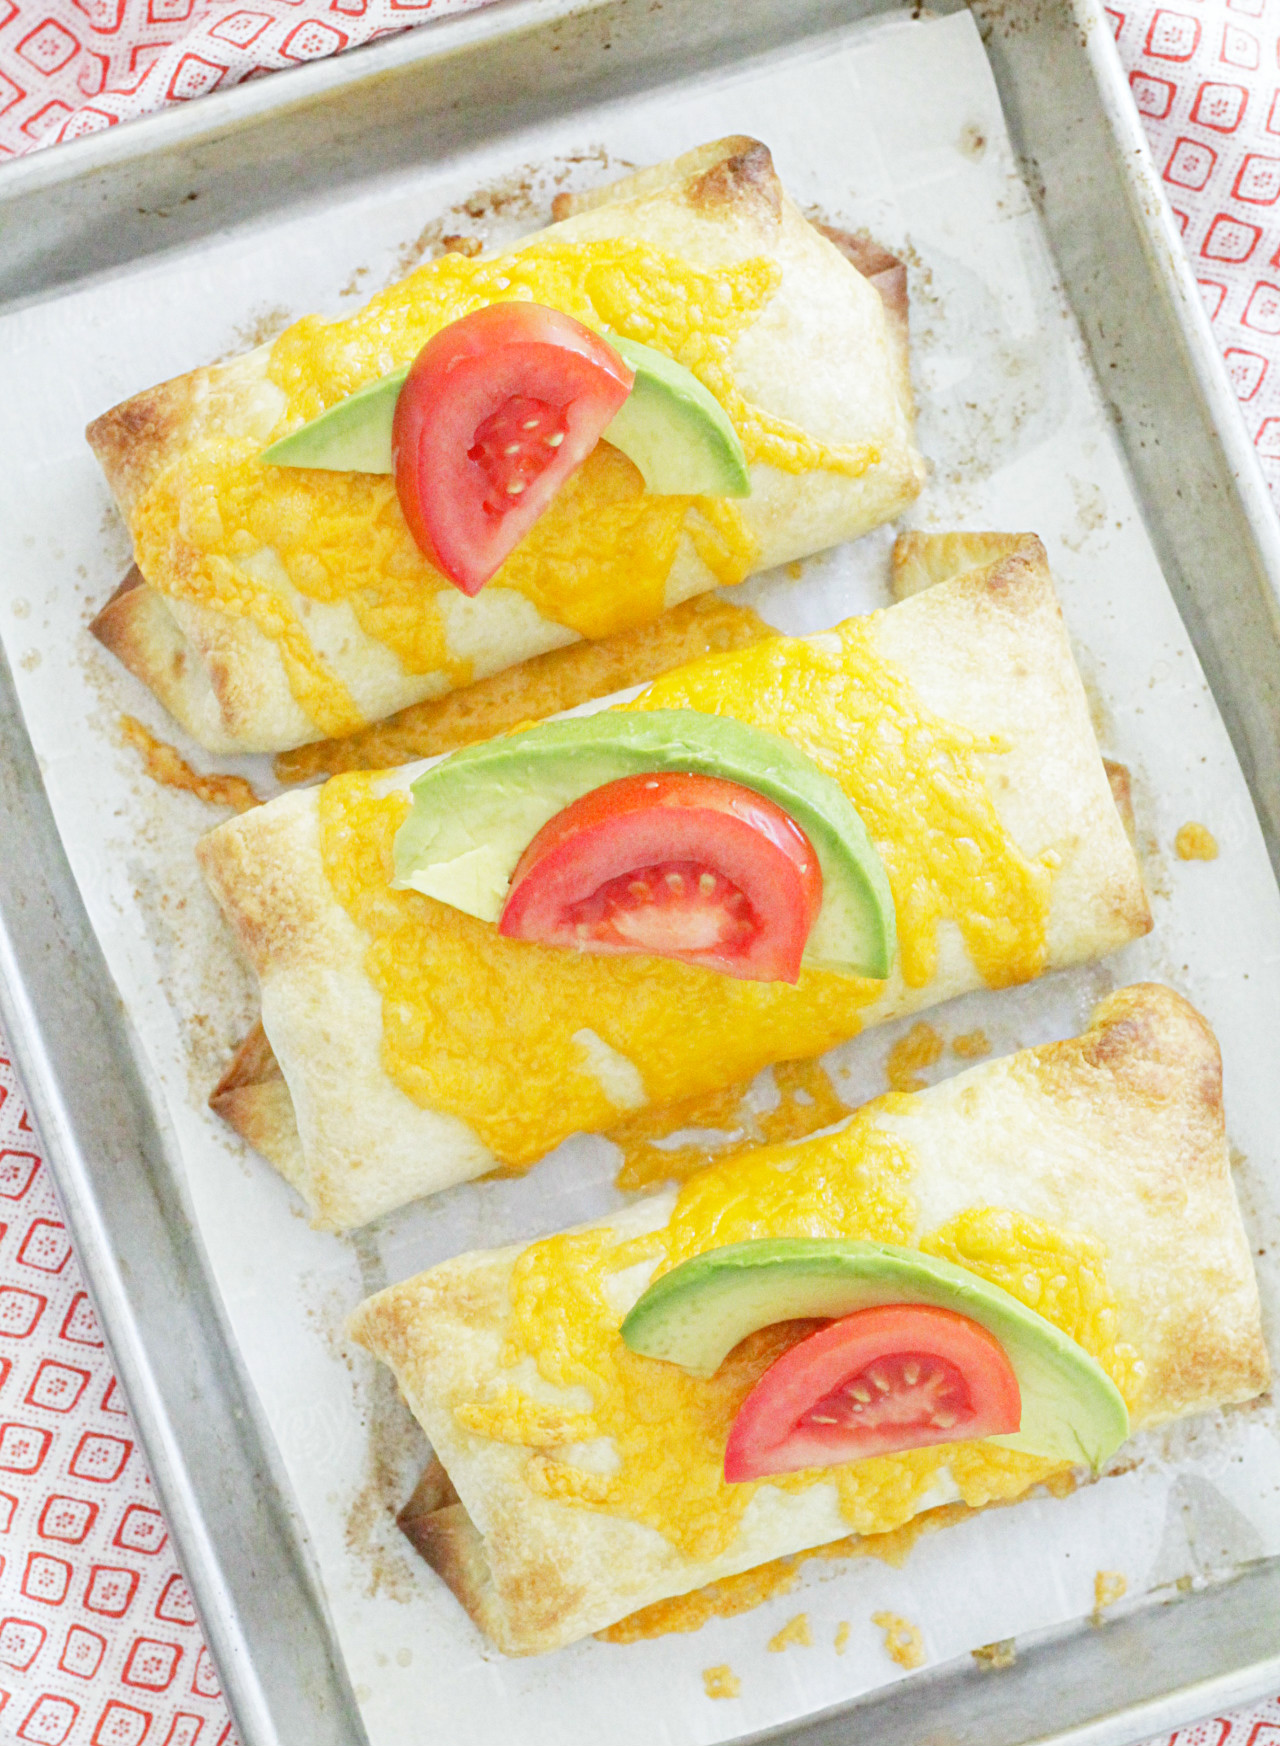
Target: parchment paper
[895,127]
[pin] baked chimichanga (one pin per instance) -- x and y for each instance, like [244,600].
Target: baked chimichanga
[274,605]
[1088,1180]
[420,1046]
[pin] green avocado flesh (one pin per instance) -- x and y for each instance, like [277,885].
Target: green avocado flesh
[695,1315]
[678,434]
[675,430]
[476,812]
[352,437]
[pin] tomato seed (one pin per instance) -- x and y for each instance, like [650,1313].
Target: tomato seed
[554,440]
[512,447]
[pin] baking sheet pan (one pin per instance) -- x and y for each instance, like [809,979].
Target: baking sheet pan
[1018,1715]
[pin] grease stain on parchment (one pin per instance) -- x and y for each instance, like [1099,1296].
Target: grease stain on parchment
[209,989]
[522,196]
[257,328]
[1205,1536]
[1090,512]
[988,394]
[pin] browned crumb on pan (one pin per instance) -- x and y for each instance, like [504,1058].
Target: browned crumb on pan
[1109,1586]
[1195,842]
[795,1634]
[1001,1654]
[166,765]
[560,679]
[971,1045]
[721,1682]
[920,1048]
[903,1641]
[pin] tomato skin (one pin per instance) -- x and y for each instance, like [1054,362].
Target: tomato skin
[463,380]
[679,866]
[899,1376]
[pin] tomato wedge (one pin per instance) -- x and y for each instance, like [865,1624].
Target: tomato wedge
[679,866]
[900,1376]
[497,411]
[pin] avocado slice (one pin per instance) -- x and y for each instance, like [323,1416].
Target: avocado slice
[676,432]
[353,436]
[476,812]
[695,1315]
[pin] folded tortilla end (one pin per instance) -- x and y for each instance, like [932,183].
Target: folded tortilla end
[132,440]
[254,1101]
[454,1547]
[875,262]
[437,1526]
[922,560]
[1120,782]
[744,179]
[689,166]
[138,628]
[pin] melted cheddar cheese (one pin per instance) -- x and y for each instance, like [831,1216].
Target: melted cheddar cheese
[218,528]
[732,1595]
[1062,1277]
[914,778]
[537,688]
[491,1030]
[666,1430]
[807,1101]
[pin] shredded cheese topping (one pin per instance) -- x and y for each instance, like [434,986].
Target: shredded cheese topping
[260,543]
[483,1028]
[667,1429]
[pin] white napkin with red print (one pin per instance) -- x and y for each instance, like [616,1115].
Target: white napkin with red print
[99,1641]
[1206,79]
[71,67]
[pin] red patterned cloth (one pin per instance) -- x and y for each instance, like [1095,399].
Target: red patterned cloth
[1206,79]
[99,1641]
[1257,1727]
[71,67]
